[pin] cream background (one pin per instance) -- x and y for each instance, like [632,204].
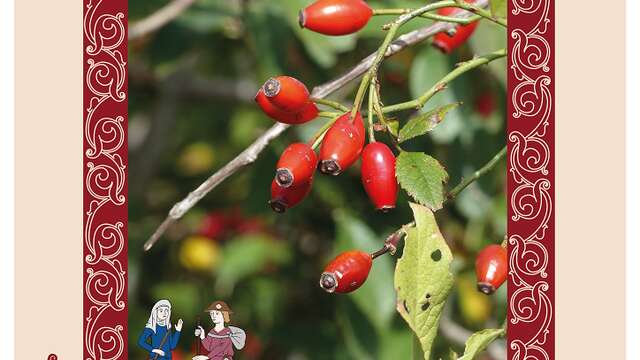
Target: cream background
[48,183]
[590,145]
[589,180]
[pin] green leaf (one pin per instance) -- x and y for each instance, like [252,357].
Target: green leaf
[354,234]
[452,355]
[423,123]
[479,341]
[423,279]
[394,125]
[422,177]
[498,8]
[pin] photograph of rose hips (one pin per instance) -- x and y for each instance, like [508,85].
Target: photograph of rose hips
[335,169]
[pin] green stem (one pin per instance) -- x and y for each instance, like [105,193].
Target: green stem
[442,84]
[372,137]
[328,114]
[334,104]
[393,29]
[480,11]
[435,17]
[316,139]
[477,174]
[378,109]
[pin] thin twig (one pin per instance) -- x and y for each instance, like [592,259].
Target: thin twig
[250,154]
[442,84]
[158,19]
[478,173]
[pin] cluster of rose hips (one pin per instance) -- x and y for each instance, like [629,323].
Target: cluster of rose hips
[287,100]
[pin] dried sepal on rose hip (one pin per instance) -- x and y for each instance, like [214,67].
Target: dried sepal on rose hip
[378,173]
[296,165]
[448,42]
[342,144]
[491,268]
[283,198]
[335,17]
[286,100]
[347,272]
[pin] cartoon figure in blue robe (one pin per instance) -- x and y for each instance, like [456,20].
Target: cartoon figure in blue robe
[158,330]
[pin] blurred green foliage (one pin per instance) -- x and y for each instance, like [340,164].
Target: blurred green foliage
[190,103]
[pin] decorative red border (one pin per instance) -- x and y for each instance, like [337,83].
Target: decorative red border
[530,182]
[105,182]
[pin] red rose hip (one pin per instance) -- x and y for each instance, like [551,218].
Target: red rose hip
[447,43]
[286,93]
[296,165]
[306,114]
[347,272]
[335,17]
[378,174]
[491,268]
[284,198]
[342,144]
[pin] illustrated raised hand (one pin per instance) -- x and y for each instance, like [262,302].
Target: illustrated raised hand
[179,325]
[158,351]
[199,332]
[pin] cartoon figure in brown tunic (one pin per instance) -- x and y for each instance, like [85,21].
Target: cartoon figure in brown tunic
[220,341]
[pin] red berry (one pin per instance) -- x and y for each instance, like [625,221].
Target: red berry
[307,113]
[335,17]
[342,144]
[296,165]
[213,225]
[379,175]
[286,93]
[284,198]
[485,104]
[347,272]
[447,43]
[491,268]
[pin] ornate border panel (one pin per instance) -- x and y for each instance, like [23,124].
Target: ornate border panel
[530,187]
[105,182]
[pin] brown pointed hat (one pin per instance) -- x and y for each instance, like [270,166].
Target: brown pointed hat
[220,306]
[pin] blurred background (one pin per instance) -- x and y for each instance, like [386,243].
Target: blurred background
[191,110]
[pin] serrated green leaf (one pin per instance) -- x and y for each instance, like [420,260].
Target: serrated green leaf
[423,279]
[423,123]
[479,341]
[498,8]
[422,177]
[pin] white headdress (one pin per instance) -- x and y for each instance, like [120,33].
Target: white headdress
[153,317]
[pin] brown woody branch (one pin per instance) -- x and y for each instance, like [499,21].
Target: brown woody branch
[250,154]
[158,19]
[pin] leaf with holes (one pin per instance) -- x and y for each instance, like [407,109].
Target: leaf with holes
[479,341]
[422,277]
[423,123]
[422,177]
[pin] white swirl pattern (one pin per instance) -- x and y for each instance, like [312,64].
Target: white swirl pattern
[105,178]
[531,200]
